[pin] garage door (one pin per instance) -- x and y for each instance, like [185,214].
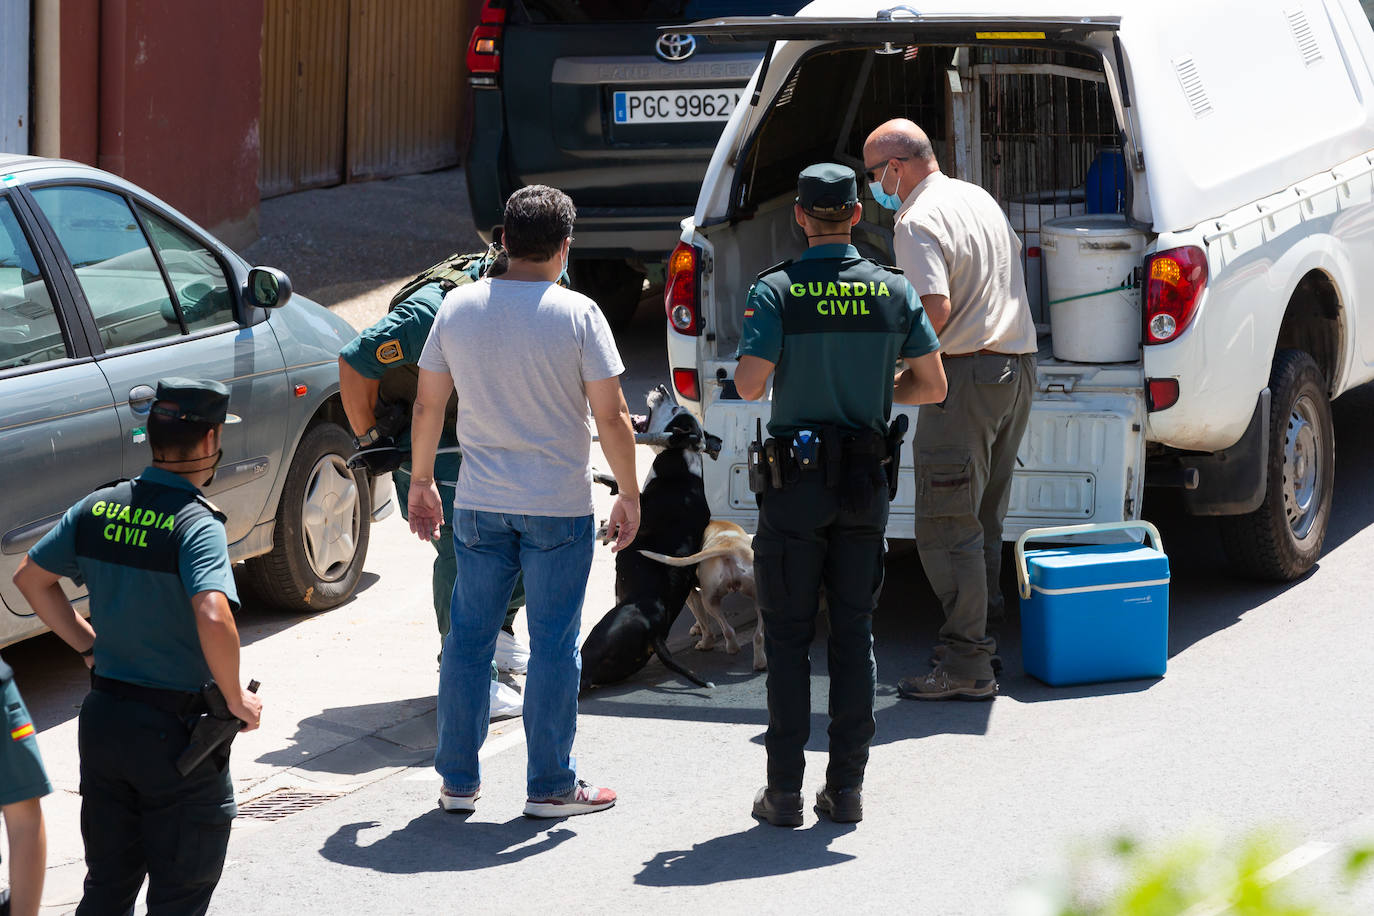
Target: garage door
[359,89]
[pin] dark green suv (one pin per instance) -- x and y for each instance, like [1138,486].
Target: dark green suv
[591,97]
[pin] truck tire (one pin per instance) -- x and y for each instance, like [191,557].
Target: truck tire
[323,521]
[1281,539]
[613,284]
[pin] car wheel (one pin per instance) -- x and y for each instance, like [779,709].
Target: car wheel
[323,522]
[1283,537]
[614,285]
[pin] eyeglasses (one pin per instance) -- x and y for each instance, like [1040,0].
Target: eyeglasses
[869,173]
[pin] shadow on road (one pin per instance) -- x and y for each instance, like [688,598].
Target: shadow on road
[257,620]
[396,723]
[759,852]
[427,844]
[904,627]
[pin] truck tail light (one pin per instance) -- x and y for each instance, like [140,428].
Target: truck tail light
[484,47]
[1174,283]
[685,381]
[680,299]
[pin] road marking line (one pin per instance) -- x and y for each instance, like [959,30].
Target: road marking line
[1272,873]
[490,748]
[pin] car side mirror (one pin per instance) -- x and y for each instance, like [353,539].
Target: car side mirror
[268,287]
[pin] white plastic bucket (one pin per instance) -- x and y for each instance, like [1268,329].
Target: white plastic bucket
[1090,283]
[1026,213]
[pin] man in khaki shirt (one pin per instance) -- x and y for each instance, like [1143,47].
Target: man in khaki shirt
[959,252]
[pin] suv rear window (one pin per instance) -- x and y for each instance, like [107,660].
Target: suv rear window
[561,11]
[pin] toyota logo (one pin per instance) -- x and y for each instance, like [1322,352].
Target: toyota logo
[676,47]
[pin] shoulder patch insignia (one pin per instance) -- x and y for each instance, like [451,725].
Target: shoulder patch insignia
[776,267]
[888,267]
[390,352]
[219,514]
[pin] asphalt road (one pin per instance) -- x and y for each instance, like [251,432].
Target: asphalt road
[1260,724]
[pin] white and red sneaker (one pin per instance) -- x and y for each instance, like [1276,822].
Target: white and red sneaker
[580,799]
[458,804]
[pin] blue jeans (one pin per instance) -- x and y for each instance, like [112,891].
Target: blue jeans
[491,549]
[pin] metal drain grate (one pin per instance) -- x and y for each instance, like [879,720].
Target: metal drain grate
[282,803]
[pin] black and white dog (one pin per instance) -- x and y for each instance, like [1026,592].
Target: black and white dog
[673,515]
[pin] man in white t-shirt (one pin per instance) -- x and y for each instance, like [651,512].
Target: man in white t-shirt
[527,358]
[959,252]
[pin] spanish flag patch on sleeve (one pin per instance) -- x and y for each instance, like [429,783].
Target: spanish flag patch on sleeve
[748,313]
[22,731]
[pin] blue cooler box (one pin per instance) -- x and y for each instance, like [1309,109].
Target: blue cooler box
[1093,612]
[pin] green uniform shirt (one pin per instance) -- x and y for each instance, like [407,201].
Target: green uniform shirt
[21,768]
[144,547]
[389,351]
[834,324]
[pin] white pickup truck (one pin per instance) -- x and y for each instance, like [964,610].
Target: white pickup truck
[1193,184]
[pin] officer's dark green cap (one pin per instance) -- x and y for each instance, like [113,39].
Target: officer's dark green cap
[193,400]
[827,190]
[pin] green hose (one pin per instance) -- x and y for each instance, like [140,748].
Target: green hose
[1100,292]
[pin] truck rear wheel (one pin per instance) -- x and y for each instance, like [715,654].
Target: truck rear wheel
[613,284]
[1283,537]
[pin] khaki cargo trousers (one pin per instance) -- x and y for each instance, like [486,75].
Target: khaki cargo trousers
[965,456]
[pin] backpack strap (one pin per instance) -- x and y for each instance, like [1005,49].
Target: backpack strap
[454,270]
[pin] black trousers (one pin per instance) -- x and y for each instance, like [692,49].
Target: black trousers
[805,540]
[140,817]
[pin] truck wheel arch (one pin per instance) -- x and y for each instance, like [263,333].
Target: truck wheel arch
[1314,322]
[1234,481]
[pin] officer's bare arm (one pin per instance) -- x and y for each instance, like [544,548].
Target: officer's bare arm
[219,642]
[921,382]
[359,395]
[751,376]
[43,593]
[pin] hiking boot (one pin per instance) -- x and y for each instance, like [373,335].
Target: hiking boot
[939,684]
[456,802]
[843,806]
[505,701]
[512,656]
[938,652]
[781,809]
[580,799]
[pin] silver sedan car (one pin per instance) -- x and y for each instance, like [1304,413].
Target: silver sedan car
[104,289]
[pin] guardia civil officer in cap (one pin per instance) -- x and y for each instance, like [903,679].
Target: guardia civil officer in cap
[154,557]
[830,326]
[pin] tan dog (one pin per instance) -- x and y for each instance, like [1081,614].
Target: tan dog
[726,561]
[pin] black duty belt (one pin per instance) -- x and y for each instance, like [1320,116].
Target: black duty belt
[829,450]
[176,702]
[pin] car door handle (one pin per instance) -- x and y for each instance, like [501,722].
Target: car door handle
[141,398]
